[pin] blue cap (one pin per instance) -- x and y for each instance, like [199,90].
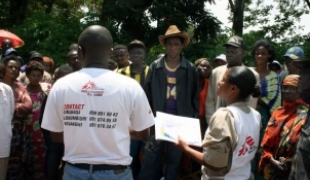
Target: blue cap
[9,51]
[295,53]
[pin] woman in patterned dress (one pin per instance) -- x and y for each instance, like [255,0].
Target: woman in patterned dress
[22,109]
[34,154]
[270,99]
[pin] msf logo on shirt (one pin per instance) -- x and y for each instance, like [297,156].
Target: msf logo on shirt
[247,147]
[91,89]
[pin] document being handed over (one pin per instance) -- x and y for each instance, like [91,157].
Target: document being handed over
[169,127]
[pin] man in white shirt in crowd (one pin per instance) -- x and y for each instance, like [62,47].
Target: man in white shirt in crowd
[220,60]
[6,111]
[96,111]
[235,51]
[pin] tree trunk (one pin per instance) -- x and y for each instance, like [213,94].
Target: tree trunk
[49,5]
[104,11]
[308,3]
[238,14]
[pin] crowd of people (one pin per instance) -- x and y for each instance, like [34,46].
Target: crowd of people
[93,118]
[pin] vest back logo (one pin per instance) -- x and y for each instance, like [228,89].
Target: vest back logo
[247,147]
[91,89]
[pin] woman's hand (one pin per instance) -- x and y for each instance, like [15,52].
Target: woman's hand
[181,144]
[277,165]
[261,103]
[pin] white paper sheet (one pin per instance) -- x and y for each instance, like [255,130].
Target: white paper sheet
[169,127]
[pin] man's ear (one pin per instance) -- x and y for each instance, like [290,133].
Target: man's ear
[111,50]
[81,54]
[243,53]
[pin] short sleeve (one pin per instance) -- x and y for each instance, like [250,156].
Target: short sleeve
[218,142]
[52,120]
[211,97]
[141,115]
[272,92]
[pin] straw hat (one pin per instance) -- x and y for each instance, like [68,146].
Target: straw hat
[173,31]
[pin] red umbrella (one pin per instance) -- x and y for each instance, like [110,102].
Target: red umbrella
[16,41]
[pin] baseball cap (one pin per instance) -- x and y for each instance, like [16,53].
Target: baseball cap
[135,43]
[10,51]
[221,57]
[294,53]
[36,55]
[235,41]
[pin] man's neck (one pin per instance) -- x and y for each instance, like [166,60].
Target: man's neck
[176,59]
[294,72]
[34,87]
[97,65]
[137,67]
[229,65]
[124,65]
[173,62]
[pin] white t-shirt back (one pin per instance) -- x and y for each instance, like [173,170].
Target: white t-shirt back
[7,108]
[94,108]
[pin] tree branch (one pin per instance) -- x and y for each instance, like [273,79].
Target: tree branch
[49,5]
[232,6]
[308,3]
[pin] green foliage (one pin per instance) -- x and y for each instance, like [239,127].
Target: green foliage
[49,34]
[134,21]
[280,47]
[280,26]
[153,52]
[50,26]
[206,49]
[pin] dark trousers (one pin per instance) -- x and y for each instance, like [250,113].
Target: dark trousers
[151,164]
[54,154]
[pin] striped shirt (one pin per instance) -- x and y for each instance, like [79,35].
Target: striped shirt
[139,77]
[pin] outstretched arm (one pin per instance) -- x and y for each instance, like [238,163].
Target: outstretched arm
[196,155]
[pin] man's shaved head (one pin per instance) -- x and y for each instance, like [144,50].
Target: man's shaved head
[6,44]
[73,46]
[95,44]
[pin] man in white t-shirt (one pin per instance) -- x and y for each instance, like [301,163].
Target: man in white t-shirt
[96,111]
[7,108]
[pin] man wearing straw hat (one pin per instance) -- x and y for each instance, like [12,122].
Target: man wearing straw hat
[171,87]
